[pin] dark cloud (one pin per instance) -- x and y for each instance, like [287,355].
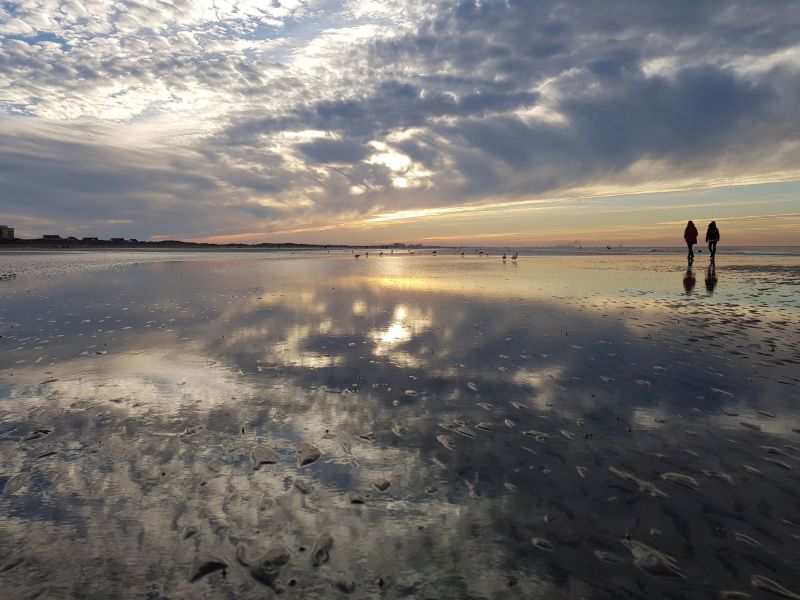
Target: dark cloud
[390,105]
[334,151]
[696,112]
[685,119]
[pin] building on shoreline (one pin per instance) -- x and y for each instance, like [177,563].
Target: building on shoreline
[6,232]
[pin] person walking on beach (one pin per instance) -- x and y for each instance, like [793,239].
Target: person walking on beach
[712,237]
[690,235]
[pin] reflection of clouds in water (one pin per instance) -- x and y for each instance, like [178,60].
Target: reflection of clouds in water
[292,350]
[741,415]
[152,487]
[163,381]
[544,381]
[329,366]
[359,307]
[650,418]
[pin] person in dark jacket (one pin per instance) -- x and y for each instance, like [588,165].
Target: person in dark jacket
[712,237]
[690,235]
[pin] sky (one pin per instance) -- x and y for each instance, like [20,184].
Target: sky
[470,122]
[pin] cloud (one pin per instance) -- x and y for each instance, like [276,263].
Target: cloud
[301,113]
[334,151]
[88,181]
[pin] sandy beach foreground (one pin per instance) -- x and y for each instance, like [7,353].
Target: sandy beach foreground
[420,426]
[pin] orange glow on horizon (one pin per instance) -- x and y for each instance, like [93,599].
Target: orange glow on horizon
[597,219]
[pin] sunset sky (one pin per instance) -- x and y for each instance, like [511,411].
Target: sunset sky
[496,123]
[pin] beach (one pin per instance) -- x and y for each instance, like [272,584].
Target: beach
[314,425]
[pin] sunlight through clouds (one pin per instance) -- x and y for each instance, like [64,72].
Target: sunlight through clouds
[307,117]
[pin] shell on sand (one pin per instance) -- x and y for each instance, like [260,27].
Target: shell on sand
[320,553]
[681,479]
[446,441]
[653,561]
[307,454]
[644,486]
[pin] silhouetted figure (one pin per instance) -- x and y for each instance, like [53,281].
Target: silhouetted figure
[690,235]
[689,281]
[712,237]
[711,278]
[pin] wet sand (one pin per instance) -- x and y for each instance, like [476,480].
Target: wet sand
[316,426]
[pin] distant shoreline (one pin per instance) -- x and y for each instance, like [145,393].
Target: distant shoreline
[38,246]
[128,248]
[178,245]
[66,244]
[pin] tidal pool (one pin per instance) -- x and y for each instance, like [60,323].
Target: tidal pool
[408,426]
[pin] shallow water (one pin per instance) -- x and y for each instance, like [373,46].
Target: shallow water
[559,427]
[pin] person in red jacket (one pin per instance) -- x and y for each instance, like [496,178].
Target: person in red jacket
[690,235]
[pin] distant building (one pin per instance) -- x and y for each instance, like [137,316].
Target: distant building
[117,239]
[6,232]
[90,239]
[51,236]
